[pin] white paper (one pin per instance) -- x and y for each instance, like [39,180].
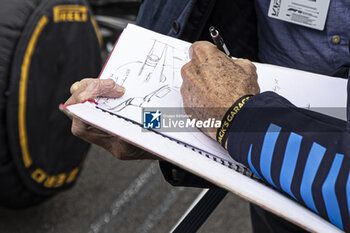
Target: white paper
[320,93]
[148,65]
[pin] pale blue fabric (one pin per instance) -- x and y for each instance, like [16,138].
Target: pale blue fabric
[299,47]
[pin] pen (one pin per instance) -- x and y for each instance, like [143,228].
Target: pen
[218,41]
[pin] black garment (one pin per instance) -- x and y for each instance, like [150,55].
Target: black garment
[240,34]
[190,20]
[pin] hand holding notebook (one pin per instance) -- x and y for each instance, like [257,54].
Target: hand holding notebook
[93,88]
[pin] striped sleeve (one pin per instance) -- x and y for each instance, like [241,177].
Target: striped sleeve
[300,152]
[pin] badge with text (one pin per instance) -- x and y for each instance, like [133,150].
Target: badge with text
[308,13]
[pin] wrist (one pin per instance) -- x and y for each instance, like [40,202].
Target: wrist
[227,121]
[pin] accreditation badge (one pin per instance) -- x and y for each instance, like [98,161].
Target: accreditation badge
[308,13]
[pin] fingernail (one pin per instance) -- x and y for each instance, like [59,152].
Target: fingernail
[119,89]
[91,86]
[108,83]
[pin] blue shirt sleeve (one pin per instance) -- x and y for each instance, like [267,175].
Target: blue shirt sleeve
[302,153]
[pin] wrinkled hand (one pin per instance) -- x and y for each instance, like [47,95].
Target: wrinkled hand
[212,82]
[90,88]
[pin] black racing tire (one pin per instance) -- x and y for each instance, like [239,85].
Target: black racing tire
[45,46]
[11,27]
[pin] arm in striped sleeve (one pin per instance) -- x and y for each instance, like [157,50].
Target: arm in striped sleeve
[300,152]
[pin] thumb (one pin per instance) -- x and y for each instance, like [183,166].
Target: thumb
[99,88]
[108,88]
[246,65]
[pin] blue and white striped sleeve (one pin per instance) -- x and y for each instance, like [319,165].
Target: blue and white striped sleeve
[300,152]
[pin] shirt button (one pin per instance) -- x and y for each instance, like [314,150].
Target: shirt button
[176,27]
[336,39]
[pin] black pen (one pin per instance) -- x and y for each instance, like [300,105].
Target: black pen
[218,41]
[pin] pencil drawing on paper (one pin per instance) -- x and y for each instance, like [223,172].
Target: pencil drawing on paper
[157,75]
[276,87]
[139,101]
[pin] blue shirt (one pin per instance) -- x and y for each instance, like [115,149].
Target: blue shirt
[299,47]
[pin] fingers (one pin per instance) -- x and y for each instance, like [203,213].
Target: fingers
[188,72]
[200,51]
[101,88]
[204,55]
[92,88]
[79,128]
[119,148]
[82,84]
[246,65]
[127,151]
[89,133]
[186,100]
[191,78]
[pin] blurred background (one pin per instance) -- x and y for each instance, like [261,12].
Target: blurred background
[121,196]
[112,17]
[118,196]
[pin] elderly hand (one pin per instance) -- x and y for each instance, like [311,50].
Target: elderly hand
[212,82]
[90,88]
